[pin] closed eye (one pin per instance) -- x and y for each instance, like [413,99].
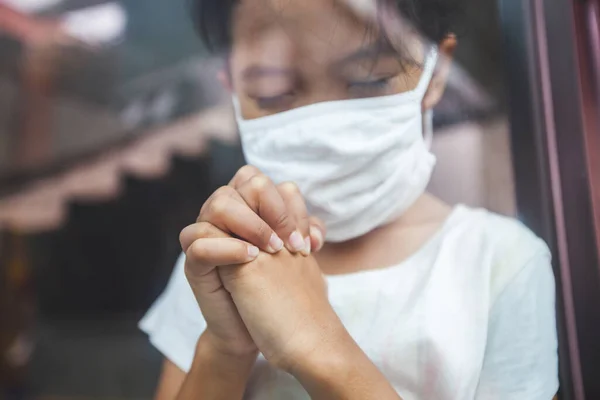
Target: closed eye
[382,83]
[275,102]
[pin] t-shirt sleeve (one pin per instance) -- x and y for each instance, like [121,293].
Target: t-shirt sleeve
[174,322]
[521,358]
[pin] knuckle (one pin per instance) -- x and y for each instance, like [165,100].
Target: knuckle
[247,171]
[218,195]
[283,221]
[191,233]
[263,233]
[197,253]
[289,188]
[259,183]
[223,191]
[218,207]
[204,230]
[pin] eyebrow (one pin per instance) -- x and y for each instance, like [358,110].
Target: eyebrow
[260,71]
[372,51]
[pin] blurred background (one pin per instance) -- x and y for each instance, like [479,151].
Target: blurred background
[114,130]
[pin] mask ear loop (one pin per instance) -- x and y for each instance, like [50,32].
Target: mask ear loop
[428,70]
[237,109]
[428,128]
[430,64]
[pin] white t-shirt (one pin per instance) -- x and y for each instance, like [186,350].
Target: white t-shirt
[471,315]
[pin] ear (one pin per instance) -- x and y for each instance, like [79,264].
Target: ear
[225,80]
[224,77]
[437,86]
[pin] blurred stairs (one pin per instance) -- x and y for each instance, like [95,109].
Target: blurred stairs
[93,277]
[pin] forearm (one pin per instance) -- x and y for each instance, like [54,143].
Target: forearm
[343,371]
[216,375]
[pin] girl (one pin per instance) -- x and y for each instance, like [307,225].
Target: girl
[324,270]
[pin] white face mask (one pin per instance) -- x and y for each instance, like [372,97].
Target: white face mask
[358,163]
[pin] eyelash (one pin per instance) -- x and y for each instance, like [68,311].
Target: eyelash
[382,83]
[275,102]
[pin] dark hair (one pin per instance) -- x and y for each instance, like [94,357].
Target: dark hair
[435,19]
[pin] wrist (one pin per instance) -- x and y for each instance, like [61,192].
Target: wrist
[210,345]
[342,370]
[215,373]
[327,363]
[332,348]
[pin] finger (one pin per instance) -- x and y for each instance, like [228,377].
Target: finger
[243,175]
[234,217]
[223,191]
[204,255]
[199,230]
[317,233]
[264,198]
[261,195]
[266,203]
[296,208]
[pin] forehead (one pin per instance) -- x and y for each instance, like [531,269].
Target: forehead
[323,28]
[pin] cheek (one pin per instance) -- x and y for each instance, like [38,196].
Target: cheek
[238,61]
[249,109]
[406,82]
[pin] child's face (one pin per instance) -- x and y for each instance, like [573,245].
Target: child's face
[291,53]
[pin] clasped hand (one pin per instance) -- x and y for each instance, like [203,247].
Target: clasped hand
[249,263]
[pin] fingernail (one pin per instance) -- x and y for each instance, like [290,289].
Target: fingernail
[296,241]
[306,250]
[253,252]
[316,233]
[275,244]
